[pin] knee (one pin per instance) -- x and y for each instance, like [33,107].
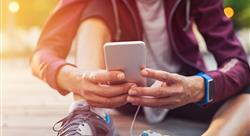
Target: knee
[243,97]
[243,100]
[232,118]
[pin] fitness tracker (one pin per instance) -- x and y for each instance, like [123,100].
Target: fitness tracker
[209,86]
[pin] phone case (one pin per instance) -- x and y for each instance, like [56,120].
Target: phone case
[129,57]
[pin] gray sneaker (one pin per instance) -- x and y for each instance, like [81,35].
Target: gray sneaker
[83,122]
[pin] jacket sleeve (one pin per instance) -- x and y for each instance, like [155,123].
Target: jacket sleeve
[233,73]
[55,41]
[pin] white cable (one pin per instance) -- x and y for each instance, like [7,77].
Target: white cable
[133,121]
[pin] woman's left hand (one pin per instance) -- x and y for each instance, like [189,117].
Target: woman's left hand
[174,91]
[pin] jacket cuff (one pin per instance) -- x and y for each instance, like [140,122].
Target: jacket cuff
[218,84]
[51,75]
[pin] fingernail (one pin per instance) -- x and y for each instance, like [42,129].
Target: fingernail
[132,92]
[92,76]
[144,72]
[121,76]
[133,85]
[129,99]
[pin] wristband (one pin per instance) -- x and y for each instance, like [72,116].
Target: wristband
[208,88]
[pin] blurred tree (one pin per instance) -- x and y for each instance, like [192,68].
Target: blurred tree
[33,12]
[241,9]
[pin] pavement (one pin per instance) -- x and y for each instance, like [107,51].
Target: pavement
[30,108]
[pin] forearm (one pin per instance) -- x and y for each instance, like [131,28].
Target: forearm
[222,42]
[55,41]
[230,79]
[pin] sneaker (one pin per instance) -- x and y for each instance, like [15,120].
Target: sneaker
[83,122]
[155,115]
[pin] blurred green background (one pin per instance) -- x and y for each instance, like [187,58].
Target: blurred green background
[23,19]
[241,9]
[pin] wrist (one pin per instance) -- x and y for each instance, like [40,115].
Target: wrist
[199,84]
[68,77]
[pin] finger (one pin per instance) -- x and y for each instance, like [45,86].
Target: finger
[153,102]
[103,102]
[109,90]
[160,75]
[153,91]
[104,76]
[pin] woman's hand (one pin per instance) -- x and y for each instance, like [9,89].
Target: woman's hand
[93,86]
[174,90]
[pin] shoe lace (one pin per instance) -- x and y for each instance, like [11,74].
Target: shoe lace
[70,123]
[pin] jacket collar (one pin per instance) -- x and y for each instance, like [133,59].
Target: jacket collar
[133,10]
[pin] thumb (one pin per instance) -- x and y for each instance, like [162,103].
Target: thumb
[160,75]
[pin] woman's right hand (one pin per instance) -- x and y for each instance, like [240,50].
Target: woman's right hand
[93,86]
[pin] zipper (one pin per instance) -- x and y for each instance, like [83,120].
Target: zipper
[169,30]
[117,22]
[133,17]
[172,39]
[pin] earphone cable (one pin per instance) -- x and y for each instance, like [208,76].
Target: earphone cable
[134,119]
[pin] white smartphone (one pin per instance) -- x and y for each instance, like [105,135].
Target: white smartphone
[129,57]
